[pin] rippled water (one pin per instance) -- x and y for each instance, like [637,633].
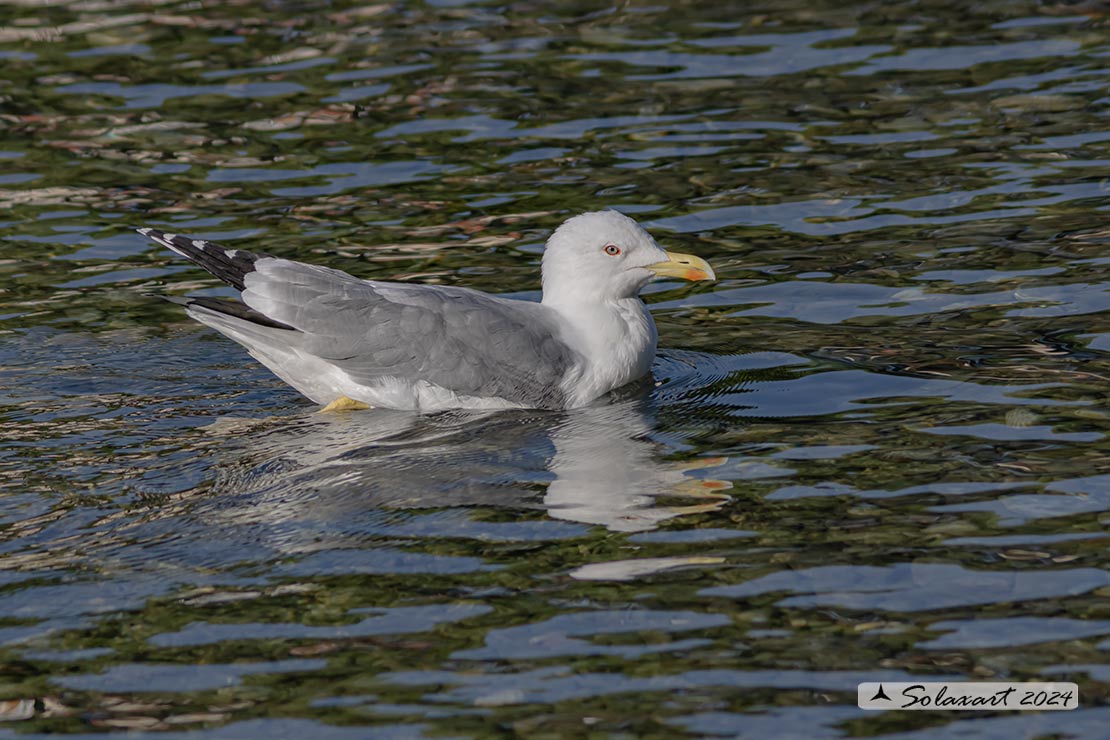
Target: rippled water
[875,449]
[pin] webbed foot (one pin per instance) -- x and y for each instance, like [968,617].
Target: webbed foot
[344,404]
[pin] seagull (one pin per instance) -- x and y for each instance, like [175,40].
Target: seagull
[347,343]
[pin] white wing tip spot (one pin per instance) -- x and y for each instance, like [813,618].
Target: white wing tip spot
[169,237]
[145,231]
[231,253]
[200,244]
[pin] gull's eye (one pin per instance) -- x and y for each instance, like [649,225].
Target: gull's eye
[612,250]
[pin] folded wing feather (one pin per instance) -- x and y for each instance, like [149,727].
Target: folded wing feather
[468,342]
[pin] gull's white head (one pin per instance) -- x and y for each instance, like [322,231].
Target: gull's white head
[606,256]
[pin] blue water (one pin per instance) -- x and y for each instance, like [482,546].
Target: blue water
[874,450]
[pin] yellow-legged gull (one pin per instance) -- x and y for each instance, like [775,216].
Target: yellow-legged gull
[346,342]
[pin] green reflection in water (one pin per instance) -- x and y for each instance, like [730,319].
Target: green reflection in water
[882,428]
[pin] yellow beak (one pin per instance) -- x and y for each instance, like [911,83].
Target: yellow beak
[684,266]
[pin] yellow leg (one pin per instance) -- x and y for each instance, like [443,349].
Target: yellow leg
[344,404]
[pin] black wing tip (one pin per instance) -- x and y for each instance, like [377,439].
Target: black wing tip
[228,307]
[181,244]
[229,265]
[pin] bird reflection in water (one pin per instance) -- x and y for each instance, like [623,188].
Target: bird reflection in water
[606,470]
[597,465]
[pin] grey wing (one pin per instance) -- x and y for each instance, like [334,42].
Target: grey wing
[468,342]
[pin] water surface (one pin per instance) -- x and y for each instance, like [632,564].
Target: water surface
[876,449]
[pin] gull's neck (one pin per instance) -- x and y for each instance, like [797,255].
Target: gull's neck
[616,339]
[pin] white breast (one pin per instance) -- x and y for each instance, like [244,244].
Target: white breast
[617,342]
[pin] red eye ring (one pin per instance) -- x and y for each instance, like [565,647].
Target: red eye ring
[612,250]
